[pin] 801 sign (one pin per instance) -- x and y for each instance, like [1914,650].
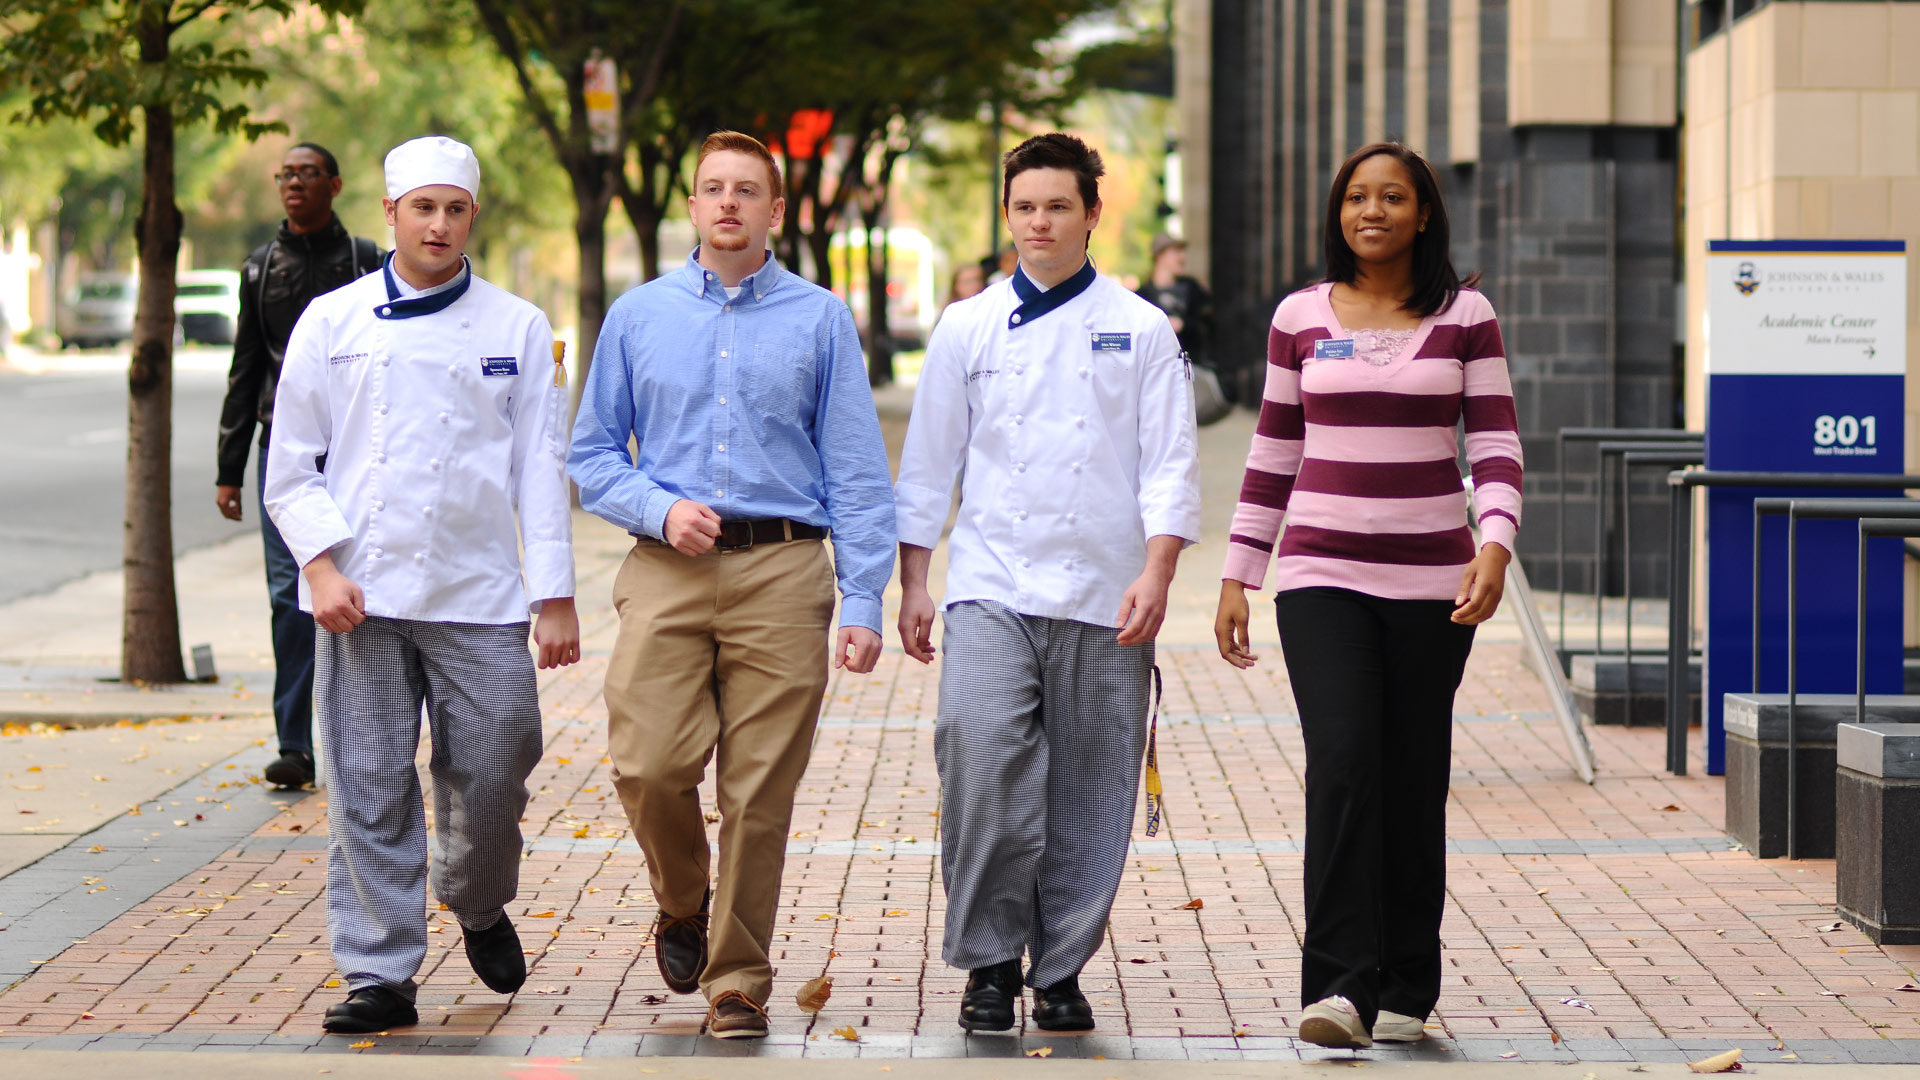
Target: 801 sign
[1843,430]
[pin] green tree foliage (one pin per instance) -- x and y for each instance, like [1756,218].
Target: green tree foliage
[153,68]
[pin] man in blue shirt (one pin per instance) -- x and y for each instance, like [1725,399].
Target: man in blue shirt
[743,390]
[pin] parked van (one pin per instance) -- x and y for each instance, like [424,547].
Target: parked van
[207,305]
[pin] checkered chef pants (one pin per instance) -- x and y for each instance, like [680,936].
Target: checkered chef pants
[1042,726]
[483,708]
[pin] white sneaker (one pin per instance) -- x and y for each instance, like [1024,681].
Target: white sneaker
[1394,1027]
[1334,1022]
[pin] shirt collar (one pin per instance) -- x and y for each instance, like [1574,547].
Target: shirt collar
[439,298]
[757,284]
[1035,302]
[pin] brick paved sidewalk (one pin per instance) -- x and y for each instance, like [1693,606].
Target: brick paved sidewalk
[1622,896]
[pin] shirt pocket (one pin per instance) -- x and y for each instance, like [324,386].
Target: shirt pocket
[780,381]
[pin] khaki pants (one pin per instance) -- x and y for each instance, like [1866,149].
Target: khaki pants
[725,652]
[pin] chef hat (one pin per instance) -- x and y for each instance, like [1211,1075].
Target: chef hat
[434,159]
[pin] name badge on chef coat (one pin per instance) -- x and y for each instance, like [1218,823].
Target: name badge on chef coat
[1113,343]
[499,365]
[1333,349]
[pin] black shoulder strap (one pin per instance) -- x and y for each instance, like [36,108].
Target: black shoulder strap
[366,256]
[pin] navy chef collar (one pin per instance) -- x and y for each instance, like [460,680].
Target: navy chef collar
[425,303]
[1035,303]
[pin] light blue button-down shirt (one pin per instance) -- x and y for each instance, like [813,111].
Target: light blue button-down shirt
[757,406]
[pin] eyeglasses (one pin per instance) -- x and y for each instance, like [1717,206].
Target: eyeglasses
[306,174]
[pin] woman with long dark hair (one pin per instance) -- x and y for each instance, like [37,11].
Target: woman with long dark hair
[1380,578]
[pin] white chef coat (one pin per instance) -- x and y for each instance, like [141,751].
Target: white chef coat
[1073,456]
[437,430]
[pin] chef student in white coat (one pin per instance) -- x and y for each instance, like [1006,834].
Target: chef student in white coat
[419,416]
[1063,399]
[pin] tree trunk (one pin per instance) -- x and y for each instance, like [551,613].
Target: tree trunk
[879,332]
[590,233]
[150,614]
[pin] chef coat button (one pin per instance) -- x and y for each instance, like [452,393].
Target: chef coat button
[1016,318]
[380,456]
[1076,466]
[427,510]
[1083,373]
[1019,418]
[1082,422]
[1024,563]
[386,361]
[379,504]
[443,418]
[453,369]
[1020,466]
[463,324]
[1022,515]
[722,447]
[1071,518]
[1019,371]
[419,556]
[383,410]
[434,464]
[375,553]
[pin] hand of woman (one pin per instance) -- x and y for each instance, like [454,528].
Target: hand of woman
[1230,626]
[1482,585]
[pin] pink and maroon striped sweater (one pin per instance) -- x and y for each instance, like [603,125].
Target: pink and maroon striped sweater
[1360,461]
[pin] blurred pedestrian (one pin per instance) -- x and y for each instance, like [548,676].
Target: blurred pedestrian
[1188,304]
[1004,264]
[744,389]
[968,279]
[1064,400]
[311,254]
[413,568]
[1380,580]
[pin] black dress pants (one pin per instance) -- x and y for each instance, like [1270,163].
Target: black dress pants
[1374,680]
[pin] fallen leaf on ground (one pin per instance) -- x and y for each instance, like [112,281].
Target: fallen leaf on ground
[848,1033]
[1042,1051]
[1831,927]
[1511,1054]
[580,833]
[1726,1062]
[1194,904]
[813,996]
[895,912]
[1831,993]
[548,990]
[540,915]
[1577,1003]
[1670,808]
[1241,1033]
[361,1045]
[1137,960]
[1909,988]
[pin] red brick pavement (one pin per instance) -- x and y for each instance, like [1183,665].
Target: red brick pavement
[1662,943]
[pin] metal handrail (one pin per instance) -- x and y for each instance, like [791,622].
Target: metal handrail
[1680,485]
[1695,451]
[1826,509]
[1693,455]
[1905,528]
[1566,436]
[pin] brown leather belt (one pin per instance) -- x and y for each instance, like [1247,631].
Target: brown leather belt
[735,535]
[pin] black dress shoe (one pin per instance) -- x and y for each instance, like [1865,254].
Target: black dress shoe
[680,947]
[292,771]
[991,991]
[496,957]
[1062,1007]
[369,1009]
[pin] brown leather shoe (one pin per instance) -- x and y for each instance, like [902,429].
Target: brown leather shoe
[680,948]
[733,1015]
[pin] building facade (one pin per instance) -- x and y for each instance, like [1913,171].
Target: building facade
[1554,126]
